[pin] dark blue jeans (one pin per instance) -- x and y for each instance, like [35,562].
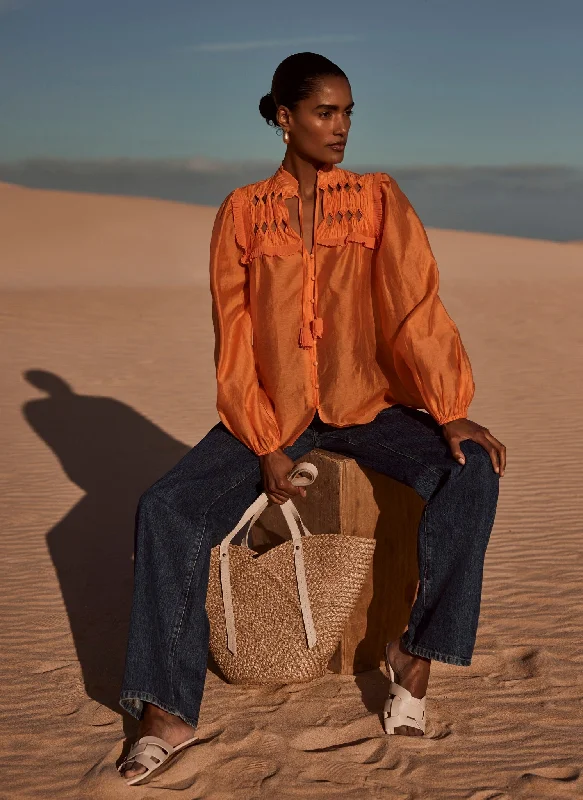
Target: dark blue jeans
[193,506]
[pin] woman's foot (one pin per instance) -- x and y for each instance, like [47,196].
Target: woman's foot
[411,672]
[156,722]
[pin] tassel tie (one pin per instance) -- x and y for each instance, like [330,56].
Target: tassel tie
[310,332]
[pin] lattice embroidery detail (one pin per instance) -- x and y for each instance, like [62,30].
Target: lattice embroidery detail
[267,218]
[261,217]
[348,211]
[261,228]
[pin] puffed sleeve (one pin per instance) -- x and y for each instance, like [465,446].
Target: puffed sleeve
[242,403]
[428,357]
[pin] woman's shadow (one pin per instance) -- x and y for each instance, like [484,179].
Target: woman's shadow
[113,454]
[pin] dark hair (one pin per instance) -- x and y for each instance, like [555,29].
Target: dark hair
[295,79]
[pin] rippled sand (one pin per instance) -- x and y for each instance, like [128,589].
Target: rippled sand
[108,379]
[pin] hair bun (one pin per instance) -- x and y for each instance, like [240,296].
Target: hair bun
[296,78]
[268,109]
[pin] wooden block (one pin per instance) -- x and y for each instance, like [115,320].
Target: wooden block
[349,499]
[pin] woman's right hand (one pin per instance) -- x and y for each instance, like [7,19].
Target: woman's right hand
[275,468]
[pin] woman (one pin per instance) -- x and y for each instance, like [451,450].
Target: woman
[329,333]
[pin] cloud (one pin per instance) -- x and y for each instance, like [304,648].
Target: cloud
[536,201]
[222,47]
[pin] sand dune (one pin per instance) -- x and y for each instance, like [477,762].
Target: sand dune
[108,379]
[53,238]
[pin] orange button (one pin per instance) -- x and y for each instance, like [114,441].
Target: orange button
[312,278]
[312,300]
[314,363]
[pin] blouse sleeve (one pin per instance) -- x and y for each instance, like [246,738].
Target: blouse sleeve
[242,403]
[428,356]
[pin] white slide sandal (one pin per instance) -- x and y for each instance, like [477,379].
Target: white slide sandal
[401,708]
[153,753]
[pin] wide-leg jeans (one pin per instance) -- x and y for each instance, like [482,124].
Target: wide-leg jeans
[194,505]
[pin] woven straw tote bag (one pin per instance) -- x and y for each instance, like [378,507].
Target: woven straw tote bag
[278,617]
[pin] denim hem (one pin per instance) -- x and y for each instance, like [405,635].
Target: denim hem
[135,709]
[434,655]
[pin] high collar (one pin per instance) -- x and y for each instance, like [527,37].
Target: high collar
[289,185]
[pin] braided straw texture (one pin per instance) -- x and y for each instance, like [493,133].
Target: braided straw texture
[271,640]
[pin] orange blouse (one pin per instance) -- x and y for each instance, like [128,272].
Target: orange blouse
[350,329]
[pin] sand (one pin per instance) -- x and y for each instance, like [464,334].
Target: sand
[108,379]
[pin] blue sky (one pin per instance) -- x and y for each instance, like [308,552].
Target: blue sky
[442,82]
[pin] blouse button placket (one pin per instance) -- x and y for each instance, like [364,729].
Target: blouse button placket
[315,361]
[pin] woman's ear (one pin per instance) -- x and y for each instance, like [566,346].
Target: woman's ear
[283,117]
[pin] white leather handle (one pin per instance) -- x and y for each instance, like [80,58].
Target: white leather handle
[245,540]
[293,475]
[292,517]
[260,504]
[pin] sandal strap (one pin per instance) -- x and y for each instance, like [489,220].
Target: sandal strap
[400,713]
[401,708]
[156,741]
[406,696]
[147,759]
[402,720]
[146,751]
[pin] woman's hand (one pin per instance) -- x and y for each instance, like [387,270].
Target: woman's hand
[275,468]
[459,429]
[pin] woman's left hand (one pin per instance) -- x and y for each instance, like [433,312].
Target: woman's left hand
[459,429]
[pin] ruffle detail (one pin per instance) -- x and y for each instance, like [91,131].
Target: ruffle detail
[264,249]
[352,213]
[348,210]
[262,215]
[377,201]
[239,219]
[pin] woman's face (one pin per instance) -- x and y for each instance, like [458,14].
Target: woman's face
[321,120]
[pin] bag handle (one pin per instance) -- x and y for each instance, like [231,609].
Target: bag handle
[245,540]
[292,516]
[295,512]
[260,504]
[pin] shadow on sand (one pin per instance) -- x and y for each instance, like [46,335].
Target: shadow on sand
[113,454]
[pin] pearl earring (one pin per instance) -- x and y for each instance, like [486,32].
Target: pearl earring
[286,137]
